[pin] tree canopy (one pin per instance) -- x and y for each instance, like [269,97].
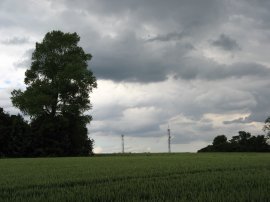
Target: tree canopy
[221,139]
[58,85]
[244,142]
[58,80]
[14,135]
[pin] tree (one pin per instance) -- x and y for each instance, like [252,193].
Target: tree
[244,142]
[266,127]
[58,85]
[14,135]
[220,139]
[244,137]
[58,80]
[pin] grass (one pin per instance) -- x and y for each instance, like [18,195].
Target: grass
[145,177]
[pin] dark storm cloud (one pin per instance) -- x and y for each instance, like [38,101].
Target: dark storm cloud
[203,69]
[131,56]
[226,43]
[153,10]
[130,59]
[258,11]
[128,69]
[127,59]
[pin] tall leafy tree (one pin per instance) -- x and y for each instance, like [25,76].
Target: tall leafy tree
[58,85]
[58,80]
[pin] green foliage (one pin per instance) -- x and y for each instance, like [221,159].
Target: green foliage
[200,177]
[57,95]
[221,139]
[58,80]
[15,137]
[61,136]
[244,142]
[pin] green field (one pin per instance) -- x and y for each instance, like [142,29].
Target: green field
[156,177]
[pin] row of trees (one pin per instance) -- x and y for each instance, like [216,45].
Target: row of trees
[45,136]
[244,142]
[58,85]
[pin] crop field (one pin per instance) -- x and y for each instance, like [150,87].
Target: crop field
[138,177]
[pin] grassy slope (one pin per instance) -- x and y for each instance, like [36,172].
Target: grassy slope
[159,177]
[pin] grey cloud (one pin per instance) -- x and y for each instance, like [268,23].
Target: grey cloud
[127,59]
[260,110]
[167,17]
[16,41]
[25,61]
[239,120]
[192,102]
[134,62]
[5,101]
[226,43]
[256,11]
[127,70]
[202,86]
[107,113]
[168,37]
[139,121]
[192,68]
[197,131]
[130,58]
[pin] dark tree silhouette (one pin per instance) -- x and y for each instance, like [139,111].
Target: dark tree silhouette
[58,81]
[221,139]
[15,136]
[244,142]
[57,95]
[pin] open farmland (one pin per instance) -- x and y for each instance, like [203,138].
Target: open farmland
[138,177]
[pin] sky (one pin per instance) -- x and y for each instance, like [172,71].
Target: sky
[201,67]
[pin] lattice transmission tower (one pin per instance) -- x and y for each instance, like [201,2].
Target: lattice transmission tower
[123,144]
[169,139]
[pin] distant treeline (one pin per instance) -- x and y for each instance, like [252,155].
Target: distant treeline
[244,142]
[44,136]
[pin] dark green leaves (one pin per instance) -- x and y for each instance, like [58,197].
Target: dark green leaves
[58,80]
[56,97]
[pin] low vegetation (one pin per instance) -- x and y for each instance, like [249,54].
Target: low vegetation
[146,177]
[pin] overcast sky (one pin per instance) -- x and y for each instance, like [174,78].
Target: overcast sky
[203,67]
